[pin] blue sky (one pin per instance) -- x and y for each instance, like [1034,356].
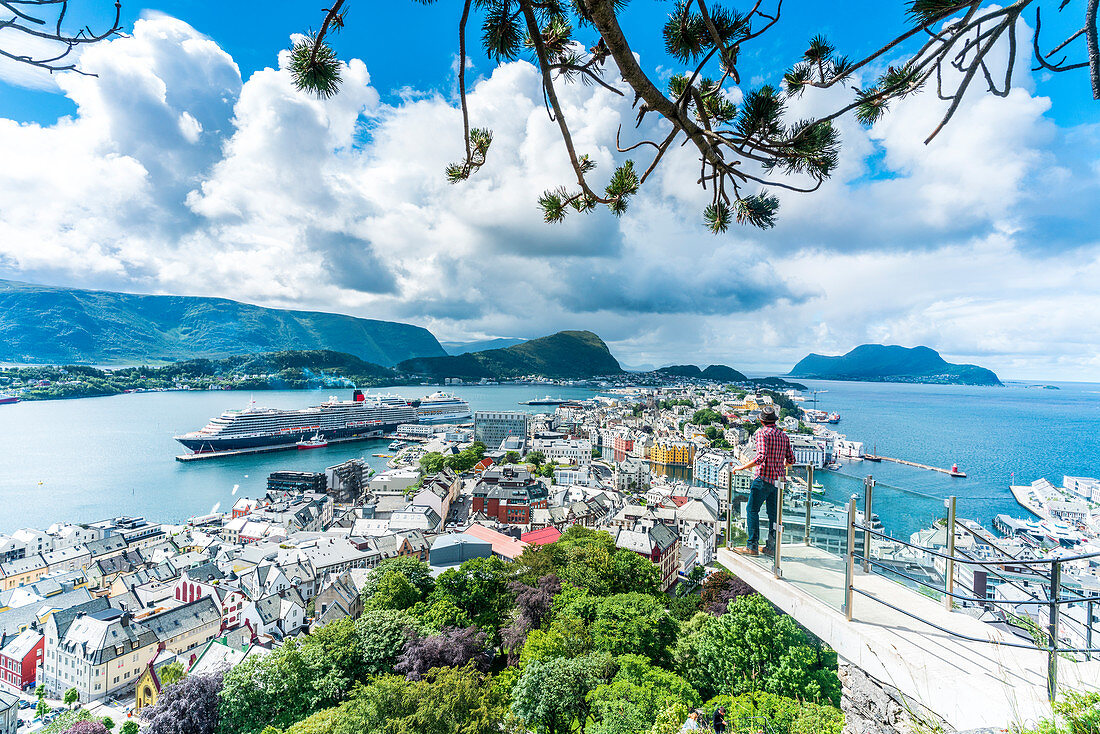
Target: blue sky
[189,165]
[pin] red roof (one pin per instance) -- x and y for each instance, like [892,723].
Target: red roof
[543,536]
[679,501]
[504,546]
[483,465]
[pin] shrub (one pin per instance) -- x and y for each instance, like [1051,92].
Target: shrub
[782,714]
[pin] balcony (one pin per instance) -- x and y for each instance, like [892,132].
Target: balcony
[950,622]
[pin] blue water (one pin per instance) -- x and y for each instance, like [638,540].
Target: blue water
[85,460]
[993,433]
[93,458]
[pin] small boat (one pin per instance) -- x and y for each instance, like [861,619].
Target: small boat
[8,399]
[317,442]
[397,445]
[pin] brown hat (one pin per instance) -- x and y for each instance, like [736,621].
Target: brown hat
[768,415]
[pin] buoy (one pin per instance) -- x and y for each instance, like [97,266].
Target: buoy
[955,468]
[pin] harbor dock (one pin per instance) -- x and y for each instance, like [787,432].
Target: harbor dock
[265,449]
[949,472]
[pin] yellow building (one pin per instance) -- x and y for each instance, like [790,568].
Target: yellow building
[673,453]
[22,572]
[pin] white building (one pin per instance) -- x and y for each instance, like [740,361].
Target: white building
[566,451]
[709,466]
[1086,488]
[808,450]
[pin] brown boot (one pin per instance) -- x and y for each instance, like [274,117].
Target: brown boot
[746,551]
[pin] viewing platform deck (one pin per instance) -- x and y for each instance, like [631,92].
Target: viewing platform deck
[968,683]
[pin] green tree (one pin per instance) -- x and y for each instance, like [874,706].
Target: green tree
[511,457]
[431,463]
[71,697]
[551,694]
[535,457]
[415,571]
[382,635]
[108,723]
[752,647]
[129,727]
[171,673]
[784,714]
[480,588]
[642,689]
[634,623]
[393,591]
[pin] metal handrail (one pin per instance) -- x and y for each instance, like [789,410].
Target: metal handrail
[1053,581]
[1002,562]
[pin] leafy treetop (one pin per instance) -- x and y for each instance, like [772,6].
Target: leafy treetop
[743,148]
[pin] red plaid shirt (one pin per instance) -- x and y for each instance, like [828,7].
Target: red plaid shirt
[773,453]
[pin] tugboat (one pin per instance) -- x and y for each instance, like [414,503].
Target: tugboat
[317,442]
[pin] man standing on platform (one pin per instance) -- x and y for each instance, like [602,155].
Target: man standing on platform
[773,456]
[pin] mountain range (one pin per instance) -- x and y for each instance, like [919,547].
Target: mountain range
[880,363]
[565,355]
[47,324]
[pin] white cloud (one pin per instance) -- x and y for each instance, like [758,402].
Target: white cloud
[177,176]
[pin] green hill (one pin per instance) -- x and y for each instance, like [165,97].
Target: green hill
[879,363]
[722,373]
[716,372]
[565,355]
[680,370]
[46,324]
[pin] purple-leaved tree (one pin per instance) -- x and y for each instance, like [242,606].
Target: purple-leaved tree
[187,707]
[453,647]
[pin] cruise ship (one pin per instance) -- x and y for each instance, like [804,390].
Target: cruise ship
[443,408]
[255,427]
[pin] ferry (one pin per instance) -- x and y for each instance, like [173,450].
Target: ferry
[256,427]
[547,401]
[312,443]
[443,407]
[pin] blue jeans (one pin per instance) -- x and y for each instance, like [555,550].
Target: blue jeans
[760,493]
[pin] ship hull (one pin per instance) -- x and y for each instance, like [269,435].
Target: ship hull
[200,444]
[8,400]
[452,418]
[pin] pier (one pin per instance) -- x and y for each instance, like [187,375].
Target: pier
[265,449]
[948,472]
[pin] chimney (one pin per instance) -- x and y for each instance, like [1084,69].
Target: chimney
[358,396]
[124,620]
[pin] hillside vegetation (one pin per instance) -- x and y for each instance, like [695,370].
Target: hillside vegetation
[565,355]
[270,371]
[46,324]
[879,363]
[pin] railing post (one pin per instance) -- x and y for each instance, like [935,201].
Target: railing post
[949,576]
[777,567]
[868,491]
[729,508]
[1052,630]
[809,500]
[1088,630]
[850,565]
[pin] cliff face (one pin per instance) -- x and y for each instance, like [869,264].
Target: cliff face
[879,363]
[45,324]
